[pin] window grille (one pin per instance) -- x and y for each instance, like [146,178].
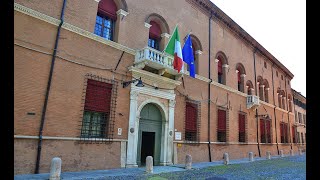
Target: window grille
[265,130]
[222,126]
[192,120]
[99,103]
[242,128]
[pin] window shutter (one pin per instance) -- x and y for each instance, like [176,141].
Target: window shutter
[98,96]
[155,30]
[219,66]
[268,131]
[108,8]
[262,127]
[241,123]
[221,120]
[191,117]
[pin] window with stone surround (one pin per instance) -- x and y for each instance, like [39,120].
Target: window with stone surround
[294,140]
[284,132]
[105,20]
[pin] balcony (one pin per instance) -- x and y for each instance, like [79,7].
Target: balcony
[252,101]
[155,61]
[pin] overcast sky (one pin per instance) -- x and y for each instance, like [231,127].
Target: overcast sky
[279,26]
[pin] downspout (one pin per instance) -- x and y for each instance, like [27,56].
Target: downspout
[274,111]
[255,83]
[48,88]
[285,86]
[209,87]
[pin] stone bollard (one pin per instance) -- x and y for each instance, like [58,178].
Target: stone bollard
[188,161]
[268,155]
[55,169]
[250,156]
[149,164]
[226,158]
[300,151]
[281,153]
[291,152]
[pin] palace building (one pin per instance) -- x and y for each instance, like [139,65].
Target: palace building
[93,86]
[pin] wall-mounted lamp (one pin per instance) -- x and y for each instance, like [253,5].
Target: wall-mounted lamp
[127,83]
[263,115]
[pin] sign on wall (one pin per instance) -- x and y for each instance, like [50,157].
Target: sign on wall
[177,135]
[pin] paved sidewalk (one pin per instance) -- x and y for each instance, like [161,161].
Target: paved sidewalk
[130,172]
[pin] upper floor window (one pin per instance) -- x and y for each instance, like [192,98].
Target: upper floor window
[220,73]
[265,65]
[281,77]
[249,86]
[105,20]
[294,134]
[277,73]
[241,73]
[222,62]
[300,118]
[242,128]
[154,35]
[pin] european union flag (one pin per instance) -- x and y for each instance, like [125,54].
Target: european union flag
[187,54]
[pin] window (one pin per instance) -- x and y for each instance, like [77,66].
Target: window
[242,128]
[284,132]
[239,80]
[265,65]
[105,19]
[300,118]
[304,119]
[191,122]
[220,73]
[296,116]
[302,139]
[294,134]
[97,108]
[277,73]
[281,77]
[288,82]
[265,130]
[154,35]
[222,126]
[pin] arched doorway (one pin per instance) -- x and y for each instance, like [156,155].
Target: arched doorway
[149,134]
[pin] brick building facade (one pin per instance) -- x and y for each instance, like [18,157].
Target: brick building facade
[240,101]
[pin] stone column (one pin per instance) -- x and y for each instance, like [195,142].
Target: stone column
[281,153]
[172,104]
[188,162]
[268,155]
[224,71]
[242,76]
[262,93]
[120,27]
[149,164]
[250,156]
[55,169]
[226,158]
[132,131]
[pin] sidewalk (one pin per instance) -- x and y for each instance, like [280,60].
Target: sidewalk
[104,174]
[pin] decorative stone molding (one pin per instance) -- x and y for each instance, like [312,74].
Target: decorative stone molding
[162,71]
[243,75]
[72,28]
[267,89]
[134,95]
[262,86]
[65,138]
[141,65]
[198,52]
[97,1]
[165,35]
[147,25]
[225,66]
[216,60]
[122,12]
[237,70]
[36,14]
[172,103]
[228,88]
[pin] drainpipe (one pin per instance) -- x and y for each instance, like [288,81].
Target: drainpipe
[48,88]
[255,83]
[274,110]
[285,86]
[209,87]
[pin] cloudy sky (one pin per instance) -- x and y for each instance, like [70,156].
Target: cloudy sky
[279,26]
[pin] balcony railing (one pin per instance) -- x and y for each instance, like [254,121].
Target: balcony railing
[252,101]
[156,60]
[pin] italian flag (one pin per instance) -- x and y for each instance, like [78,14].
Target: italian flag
[174,48]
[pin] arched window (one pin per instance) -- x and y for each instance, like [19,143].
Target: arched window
[154,35]
[260,88]
[266,91]
[197,50]
[221,58]
[249,86]
[290,102]
[283,99]
[105,20]
[279,98]
[241,73]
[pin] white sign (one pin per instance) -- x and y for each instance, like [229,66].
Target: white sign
[119,131]
[178,135]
